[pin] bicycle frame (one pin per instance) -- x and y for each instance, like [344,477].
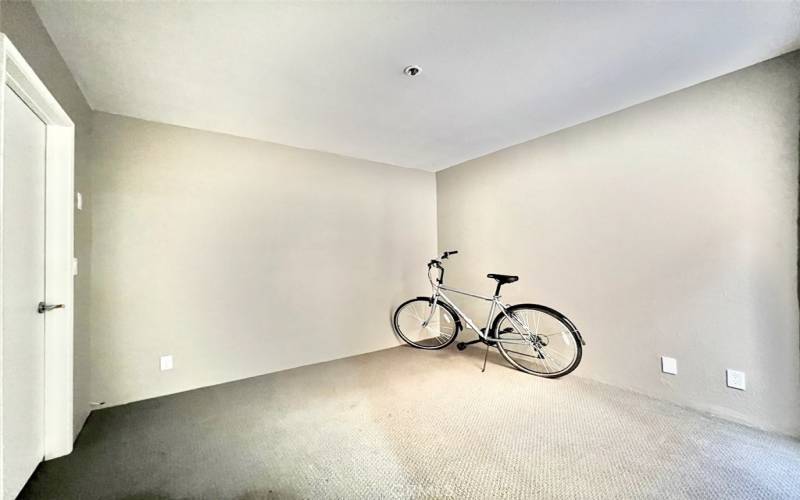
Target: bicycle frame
[439,295]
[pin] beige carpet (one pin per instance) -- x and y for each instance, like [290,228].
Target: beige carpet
[405,423]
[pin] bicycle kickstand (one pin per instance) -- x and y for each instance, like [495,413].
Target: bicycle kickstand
[485,357]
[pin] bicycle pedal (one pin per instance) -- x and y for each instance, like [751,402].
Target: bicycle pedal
[461,346]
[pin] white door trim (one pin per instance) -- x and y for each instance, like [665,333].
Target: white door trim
[59,240]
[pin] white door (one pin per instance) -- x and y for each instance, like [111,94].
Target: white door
[23,288]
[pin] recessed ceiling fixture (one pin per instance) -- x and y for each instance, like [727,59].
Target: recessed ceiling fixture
[412,70]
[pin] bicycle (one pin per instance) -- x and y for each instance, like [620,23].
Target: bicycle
[533,338]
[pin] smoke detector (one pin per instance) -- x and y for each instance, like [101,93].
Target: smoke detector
[412,70]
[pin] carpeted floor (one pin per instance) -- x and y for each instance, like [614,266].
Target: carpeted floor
[407,423]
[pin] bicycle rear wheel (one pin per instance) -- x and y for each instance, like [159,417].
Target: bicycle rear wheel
[549,345]
[422,328]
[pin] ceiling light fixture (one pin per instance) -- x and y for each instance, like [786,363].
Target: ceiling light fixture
[412,70]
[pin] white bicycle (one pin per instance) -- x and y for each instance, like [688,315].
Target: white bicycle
[532,338]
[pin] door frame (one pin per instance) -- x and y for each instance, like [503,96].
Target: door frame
[59,249]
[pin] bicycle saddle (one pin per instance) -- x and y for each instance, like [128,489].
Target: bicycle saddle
[503,278]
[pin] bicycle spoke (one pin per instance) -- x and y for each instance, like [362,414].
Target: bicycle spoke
[552,334]
[416,313]
[554,353]
[523,354]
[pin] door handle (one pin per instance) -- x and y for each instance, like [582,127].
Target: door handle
[43,308]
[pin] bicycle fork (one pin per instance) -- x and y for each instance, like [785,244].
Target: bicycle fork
[434,303]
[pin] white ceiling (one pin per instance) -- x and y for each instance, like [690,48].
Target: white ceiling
[329,76]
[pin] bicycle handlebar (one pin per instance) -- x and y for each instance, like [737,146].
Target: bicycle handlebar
[437,262]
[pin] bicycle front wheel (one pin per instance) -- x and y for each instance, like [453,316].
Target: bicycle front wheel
[426,327]
[540,340]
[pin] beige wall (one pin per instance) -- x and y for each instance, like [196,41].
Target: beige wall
[22,25]
[241,257]
[669,228]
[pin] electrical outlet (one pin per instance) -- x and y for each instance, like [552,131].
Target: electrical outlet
[166,362]
[669,365]
[735,379]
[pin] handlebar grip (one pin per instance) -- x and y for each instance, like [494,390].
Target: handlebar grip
[448,253]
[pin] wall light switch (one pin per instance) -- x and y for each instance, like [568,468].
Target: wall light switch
[74,266]
[669,365]
[166,362]
[78,201]
[735,379]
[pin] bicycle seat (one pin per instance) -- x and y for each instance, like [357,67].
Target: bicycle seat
[503,278]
